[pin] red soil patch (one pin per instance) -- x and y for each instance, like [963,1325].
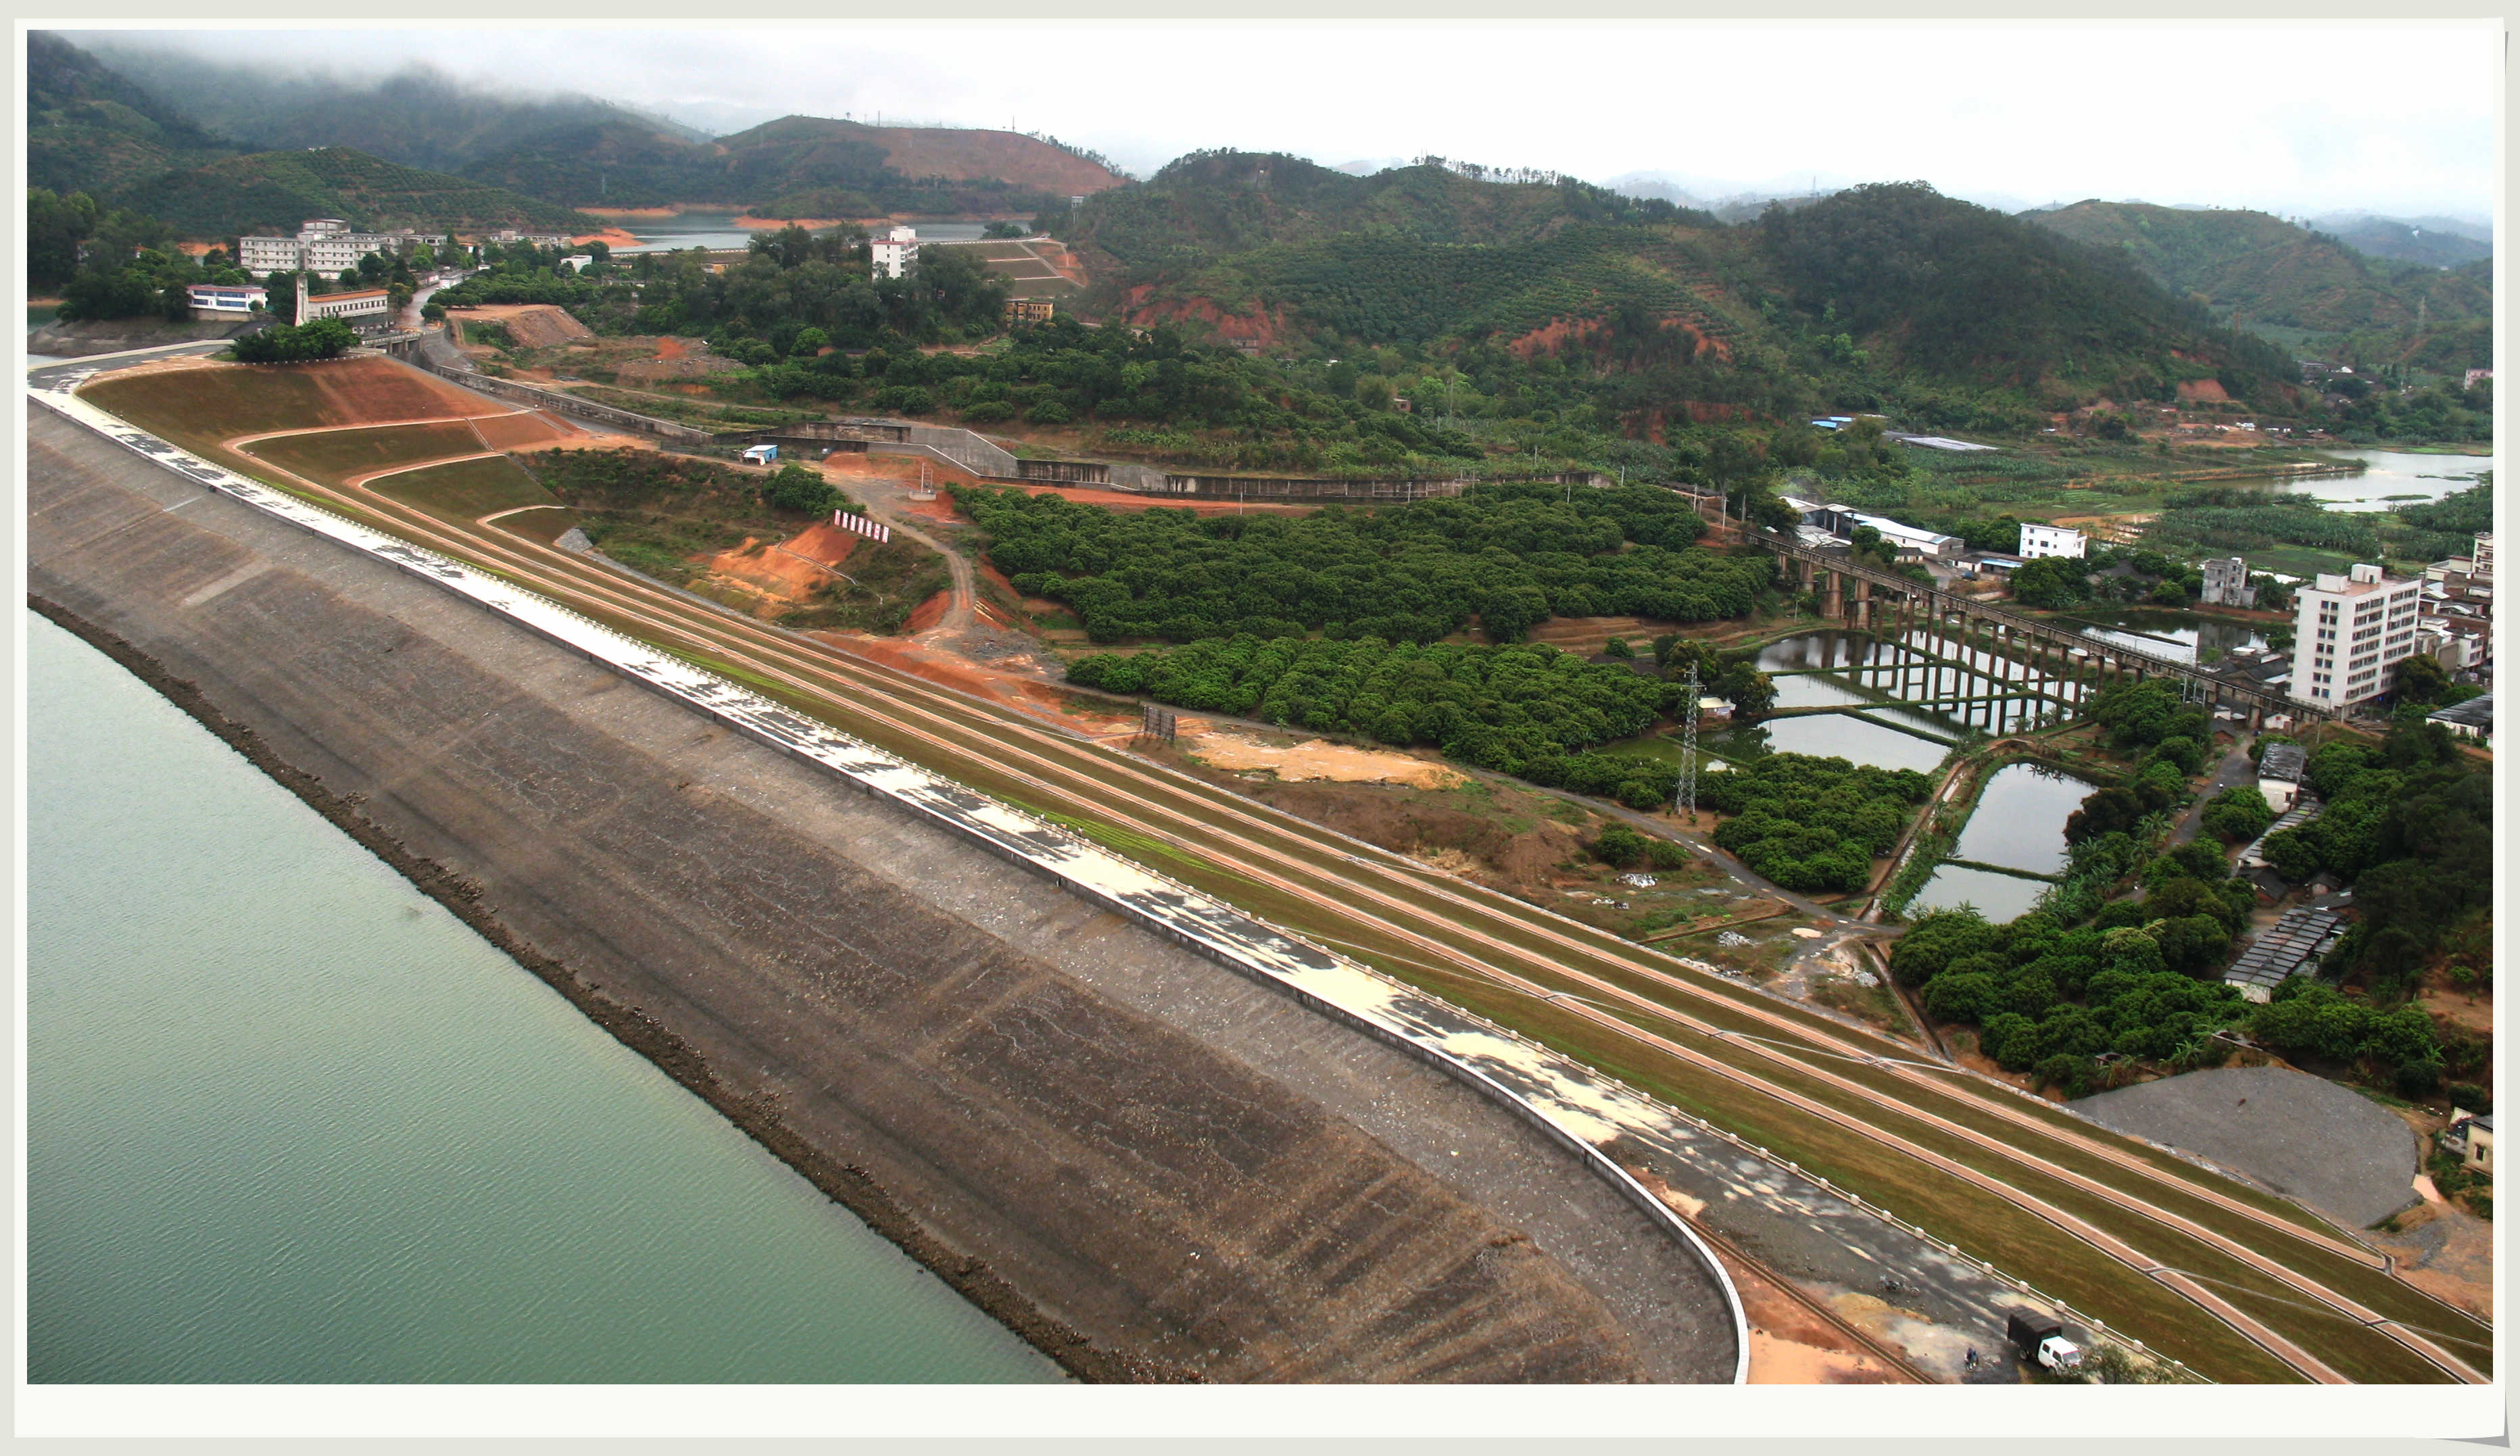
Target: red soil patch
[612,237]
[531,431]
[2204,390]
[1261,327]
[929,612]
[824,542]
[787,571]
[370,390]
[669,347]
[1551,338]
[903,468]
[967,156]
[533,325]
[946,672]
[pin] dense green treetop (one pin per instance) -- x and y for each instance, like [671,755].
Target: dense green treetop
[1511,556]
[1402,693]
[1812,824]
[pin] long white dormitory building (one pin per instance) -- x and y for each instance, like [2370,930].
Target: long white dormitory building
[362,308]
[2348,631]
[325,247]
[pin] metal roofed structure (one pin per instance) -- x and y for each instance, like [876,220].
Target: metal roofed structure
[2287,948]
[2305,809]
[2473,718]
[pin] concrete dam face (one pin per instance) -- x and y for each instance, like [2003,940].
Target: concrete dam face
[1151,1166]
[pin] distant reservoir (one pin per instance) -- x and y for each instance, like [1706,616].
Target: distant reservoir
[718,230]
[291,1121]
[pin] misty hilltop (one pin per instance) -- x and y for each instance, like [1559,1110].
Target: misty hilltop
[568,151]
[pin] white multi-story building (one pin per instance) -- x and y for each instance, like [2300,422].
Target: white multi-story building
[323,246]
[2349,634]
[2484,556]
[897,252]
[2051,540]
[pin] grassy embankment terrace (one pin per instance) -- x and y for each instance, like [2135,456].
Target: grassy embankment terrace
[2011,1238]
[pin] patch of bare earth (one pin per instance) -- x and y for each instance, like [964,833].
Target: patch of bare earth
[1314,759]
[2446,1251]
[781,574]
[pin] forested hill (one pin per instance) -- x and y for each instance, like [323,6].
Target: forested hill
[275,191]
[2269,271]
[1966,293]
[2433,242]
[90,129]
[1881,297]
[1216,203]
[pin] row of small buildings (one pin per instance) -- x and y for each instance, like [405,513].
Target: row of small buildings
[1837,524]
[327,248]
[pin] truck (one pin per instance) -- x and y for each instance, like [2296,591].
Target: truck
[2042,1339]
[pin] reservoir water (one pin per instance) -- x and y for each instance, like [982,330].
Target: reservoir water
[2387,474]
[718,230]
[289,1121]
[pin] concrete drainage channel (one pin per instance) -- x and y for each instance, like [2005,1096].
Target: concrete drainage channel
[1574,1105]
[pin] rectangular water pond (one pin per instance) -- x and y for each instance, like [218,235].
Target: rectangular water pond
[1998,898]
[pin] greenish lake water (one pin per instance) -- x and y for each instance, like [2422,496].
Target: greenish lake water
[289,1121]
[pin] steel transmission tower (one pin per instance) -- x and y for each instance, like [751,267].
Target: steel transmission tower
[1685,794]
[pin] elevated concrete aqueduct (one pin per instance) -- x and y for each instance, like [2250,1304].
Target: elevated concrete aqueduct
[1869,597]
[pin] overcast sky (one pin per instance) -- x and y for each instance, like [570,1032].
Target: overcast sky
[2292,117]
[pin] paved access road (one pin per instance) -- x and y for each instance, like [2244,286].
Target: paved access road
[1997,1171]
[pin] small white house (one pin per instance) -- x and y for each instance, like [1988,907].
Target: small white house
[219,301]
[576,262]
[2051,540]
[2471,1136]
[2280,770]
[761,455]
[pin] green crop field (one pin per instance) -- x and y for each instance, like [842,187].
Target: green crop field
[335,456]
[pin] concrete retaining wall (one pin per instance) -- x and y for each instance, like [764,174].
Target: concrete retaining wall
[566,403]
